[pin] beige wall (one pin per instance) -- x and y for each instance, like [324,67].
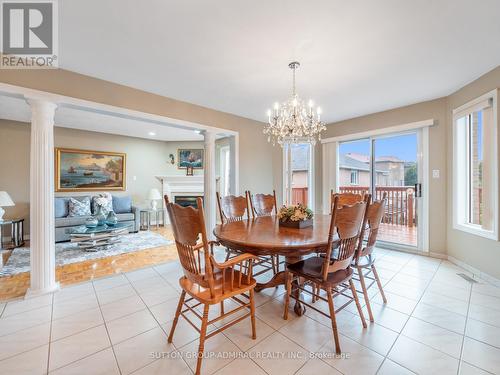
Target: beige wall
[476,251]
[257,156]
[435,109]
[145,159]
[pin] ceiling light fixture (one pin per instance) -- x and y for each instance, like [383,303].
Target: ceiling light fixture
[152,134]
[294,121]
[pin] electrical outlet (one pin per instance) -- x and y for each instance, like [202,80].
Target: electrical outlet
[435,173]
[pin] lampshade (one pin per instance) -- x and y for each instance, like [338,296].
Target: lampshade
[5,199]
[154,194]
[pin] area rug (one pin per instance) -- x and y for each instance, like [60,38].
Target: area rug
[67,252]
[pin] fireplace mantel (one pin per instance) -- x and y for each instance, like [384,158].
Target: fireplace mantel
[174,186]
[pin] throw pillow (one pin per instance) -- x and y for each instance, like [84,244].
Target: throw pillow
[79,207]
[105,200]
[61,207]
[122,205]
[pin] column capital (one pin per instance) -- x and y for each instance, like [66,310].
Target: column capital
[41,103]
[209,135]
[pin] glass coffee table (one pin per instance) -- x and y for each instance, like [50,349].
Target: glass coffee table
[100,237]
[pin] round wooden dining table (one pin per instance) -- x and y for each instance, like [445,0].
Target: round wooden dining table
[264,236]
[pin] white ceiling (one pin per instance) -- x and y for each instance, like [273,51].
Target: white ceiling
[358,57]
[13,108]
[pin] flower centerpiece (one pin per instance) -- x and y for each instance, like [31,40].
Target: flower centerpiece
[295,216]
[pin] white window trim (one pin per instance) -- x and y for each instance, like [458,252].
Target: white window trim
[459,202]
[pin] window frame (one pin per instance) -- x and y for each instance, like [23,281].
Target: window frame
[355,172]
[462,167]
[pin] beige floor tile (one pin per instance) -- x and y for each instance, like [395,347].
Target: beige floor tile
[130,325]
[396,302]
[163,366]
[483,332]
[449,291]
[317,367]
[468,369]
[73,348]
[22,305]
[306,332]
[158,294]
[74,305]
[25,320]
[481,355]
[110,282]
[485,301]
[24,340]
[272,313]
[33,362]
[241,366]
[436,337]
[291,356]
[483,314]
[126,306]
[241,333]
[440,317]
[140,350]
[114,294]
[447,303]
[356,359]
[143,273]
[100,363]
[488,289]
[184,332]
[219,352]
[73,291]
[165,312]
[421,358]
[387,317]
[392,368]
[71,324]
[375,337]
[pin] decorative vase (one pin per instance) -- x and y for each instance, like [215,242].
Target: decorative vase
[296,224]
[101,218]
[91,222]
[112,219]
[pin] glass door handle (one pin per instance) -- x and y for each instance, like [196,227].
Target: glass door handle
[418,190]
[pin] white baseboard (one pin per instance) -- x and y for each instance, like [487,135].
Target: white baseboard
[483,275]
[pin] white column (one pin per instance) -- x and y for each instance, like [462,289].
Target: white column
[42,241]
[209,182]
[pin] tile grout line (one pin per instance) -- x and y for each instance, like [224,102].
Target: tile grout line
[154,317]
[106,328]
[465,331]
[50,333]
[409,316]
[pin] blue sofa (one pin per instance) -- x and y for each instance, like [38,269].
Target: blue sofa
[125,211]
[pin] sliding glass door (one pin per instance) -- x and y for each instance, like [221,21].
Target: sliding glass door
[298,174]
[386,166]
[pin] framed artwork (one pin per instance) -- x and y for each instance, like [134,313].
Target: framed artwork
[84,170]
[190,157]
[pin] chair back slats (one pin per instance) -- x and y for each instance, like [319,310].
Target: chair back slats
[374,215]
[346,222]
[233,208]
[263,204]
[188,225]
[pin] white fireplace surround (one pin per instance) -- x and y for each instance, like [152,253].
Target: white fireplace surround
[175,186]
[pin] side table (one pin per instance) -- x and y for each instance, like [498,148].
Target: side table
[147,216]
[16,232]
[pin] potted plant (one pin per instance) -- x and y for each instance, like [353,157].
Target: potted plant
[295,216]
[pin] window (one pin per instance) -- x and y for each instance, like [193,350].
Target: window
[354,177]
[298,174]
[475,167]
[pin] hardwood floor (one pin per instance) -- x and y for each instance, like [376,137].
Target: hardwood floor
[16,285]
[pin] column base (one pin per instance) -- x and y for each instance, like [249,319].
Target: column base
[36,293]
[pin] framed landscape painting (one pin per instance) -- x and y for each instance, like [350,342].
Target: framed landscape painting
[84,170]
[190,157]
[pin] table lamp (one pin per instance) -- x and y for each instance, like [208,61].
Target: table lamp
[5,201]
[153,196]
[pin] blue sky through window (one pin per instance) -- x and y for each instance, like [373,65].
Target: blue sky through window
[403,147]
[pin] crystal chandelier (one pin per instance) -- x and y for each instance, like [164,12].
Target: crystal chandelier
[294,121]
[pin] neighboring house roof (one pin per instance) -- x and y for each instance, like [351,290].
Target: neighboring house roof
[300,157]
[392,159]
[358,157]
[347,162]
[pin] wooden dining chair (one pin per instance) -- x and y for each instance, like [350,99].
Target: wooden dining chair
[265,205]
[330,274]
[364,260]
[233,208]
[207,282]
[346,198]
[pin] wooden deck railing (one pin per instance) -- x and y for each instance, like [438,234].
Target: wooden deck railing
[299,195]
[400,208]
